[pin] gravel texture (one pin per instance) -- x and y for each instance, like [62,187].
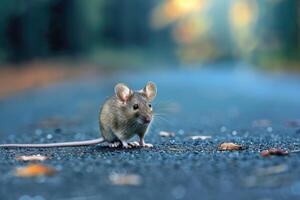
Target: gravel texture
[256,110]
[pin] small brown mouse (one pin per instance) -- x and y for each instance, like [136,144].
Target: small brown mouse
[122,116]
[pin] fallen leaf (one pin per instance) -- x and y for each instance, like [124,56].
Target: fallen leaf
[277,169]
[166,134]
[37,157]
[261,123]
[229,146]
[293,123]
[273,151]
[265,176]
[121,179]
[200,137]
[35,170]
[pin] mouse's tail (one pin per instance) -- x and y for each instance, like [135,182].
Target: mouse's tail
[61,144]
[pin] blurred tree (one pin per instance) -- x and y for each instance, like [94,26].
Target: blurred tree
[37,29]
[277,30]
[192,31]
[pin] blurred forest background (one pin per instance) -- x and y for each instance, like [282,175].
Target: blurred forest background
[138,32]
[122,34]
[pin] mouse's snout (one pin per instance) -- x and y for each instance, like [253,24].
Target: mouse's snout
[147,119]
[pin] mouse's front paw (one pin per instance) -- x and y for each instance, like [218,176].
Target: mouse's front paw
[134,144]
[143,144]
[148,145]
[126,145]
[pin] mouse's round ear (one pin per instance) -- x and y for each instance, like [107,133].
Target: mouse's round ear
[150,90]
[123,92]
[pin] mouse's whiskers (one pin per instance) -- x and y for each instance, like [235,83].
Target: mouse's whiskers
[167,107]
[160,120]
[160,117]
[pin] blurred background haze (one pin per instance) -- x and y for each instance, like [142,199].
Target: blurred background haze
[74,35]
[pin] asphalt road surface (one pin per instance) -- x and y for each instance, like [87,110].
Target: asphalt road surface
[254,109]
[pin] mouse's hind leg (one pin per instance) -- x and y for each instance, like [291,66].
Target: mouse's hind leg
[114,144]
[130,144]
[123,137]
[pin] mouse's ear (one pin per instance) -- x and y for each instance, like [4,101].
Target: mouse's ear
[123,92]
[150,90]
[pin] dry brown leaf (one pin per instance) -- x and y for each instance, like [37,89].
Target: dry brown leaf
[35,170]
[277,169]
[273,151]
[121,179]
[200,137]
[166,134]
[261,123]
[229,146]
[37,157]
[293,123]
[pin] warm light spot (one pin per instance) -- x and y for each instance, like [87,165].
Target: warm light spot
[173,10]
[243,13]
[179,8]
[242,17]
[190,30]
[197,53]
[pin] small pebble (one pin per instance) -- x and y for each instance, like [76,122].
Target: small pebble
[57,130]
[269,129]
[172,141]
[166,134]
[200,137]
[38,131]
[49,136]
[223,129]
[181,132]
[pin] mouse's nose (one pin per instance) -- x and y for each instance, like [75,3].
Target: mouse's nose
[147,119]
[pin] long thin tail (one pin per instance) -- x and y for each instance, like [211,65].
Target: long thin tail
[61,144]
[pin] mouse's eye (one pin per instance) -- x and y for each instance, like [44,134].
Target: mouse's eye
[135,106]
[150,106]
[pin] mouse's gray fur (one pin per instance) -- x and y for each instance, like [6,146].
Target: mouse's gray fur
[119,121]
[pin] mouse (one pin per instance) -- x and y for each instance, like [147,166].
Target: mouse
[124,115]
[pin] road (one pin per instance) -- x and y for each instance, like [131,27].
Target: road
[254,109]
